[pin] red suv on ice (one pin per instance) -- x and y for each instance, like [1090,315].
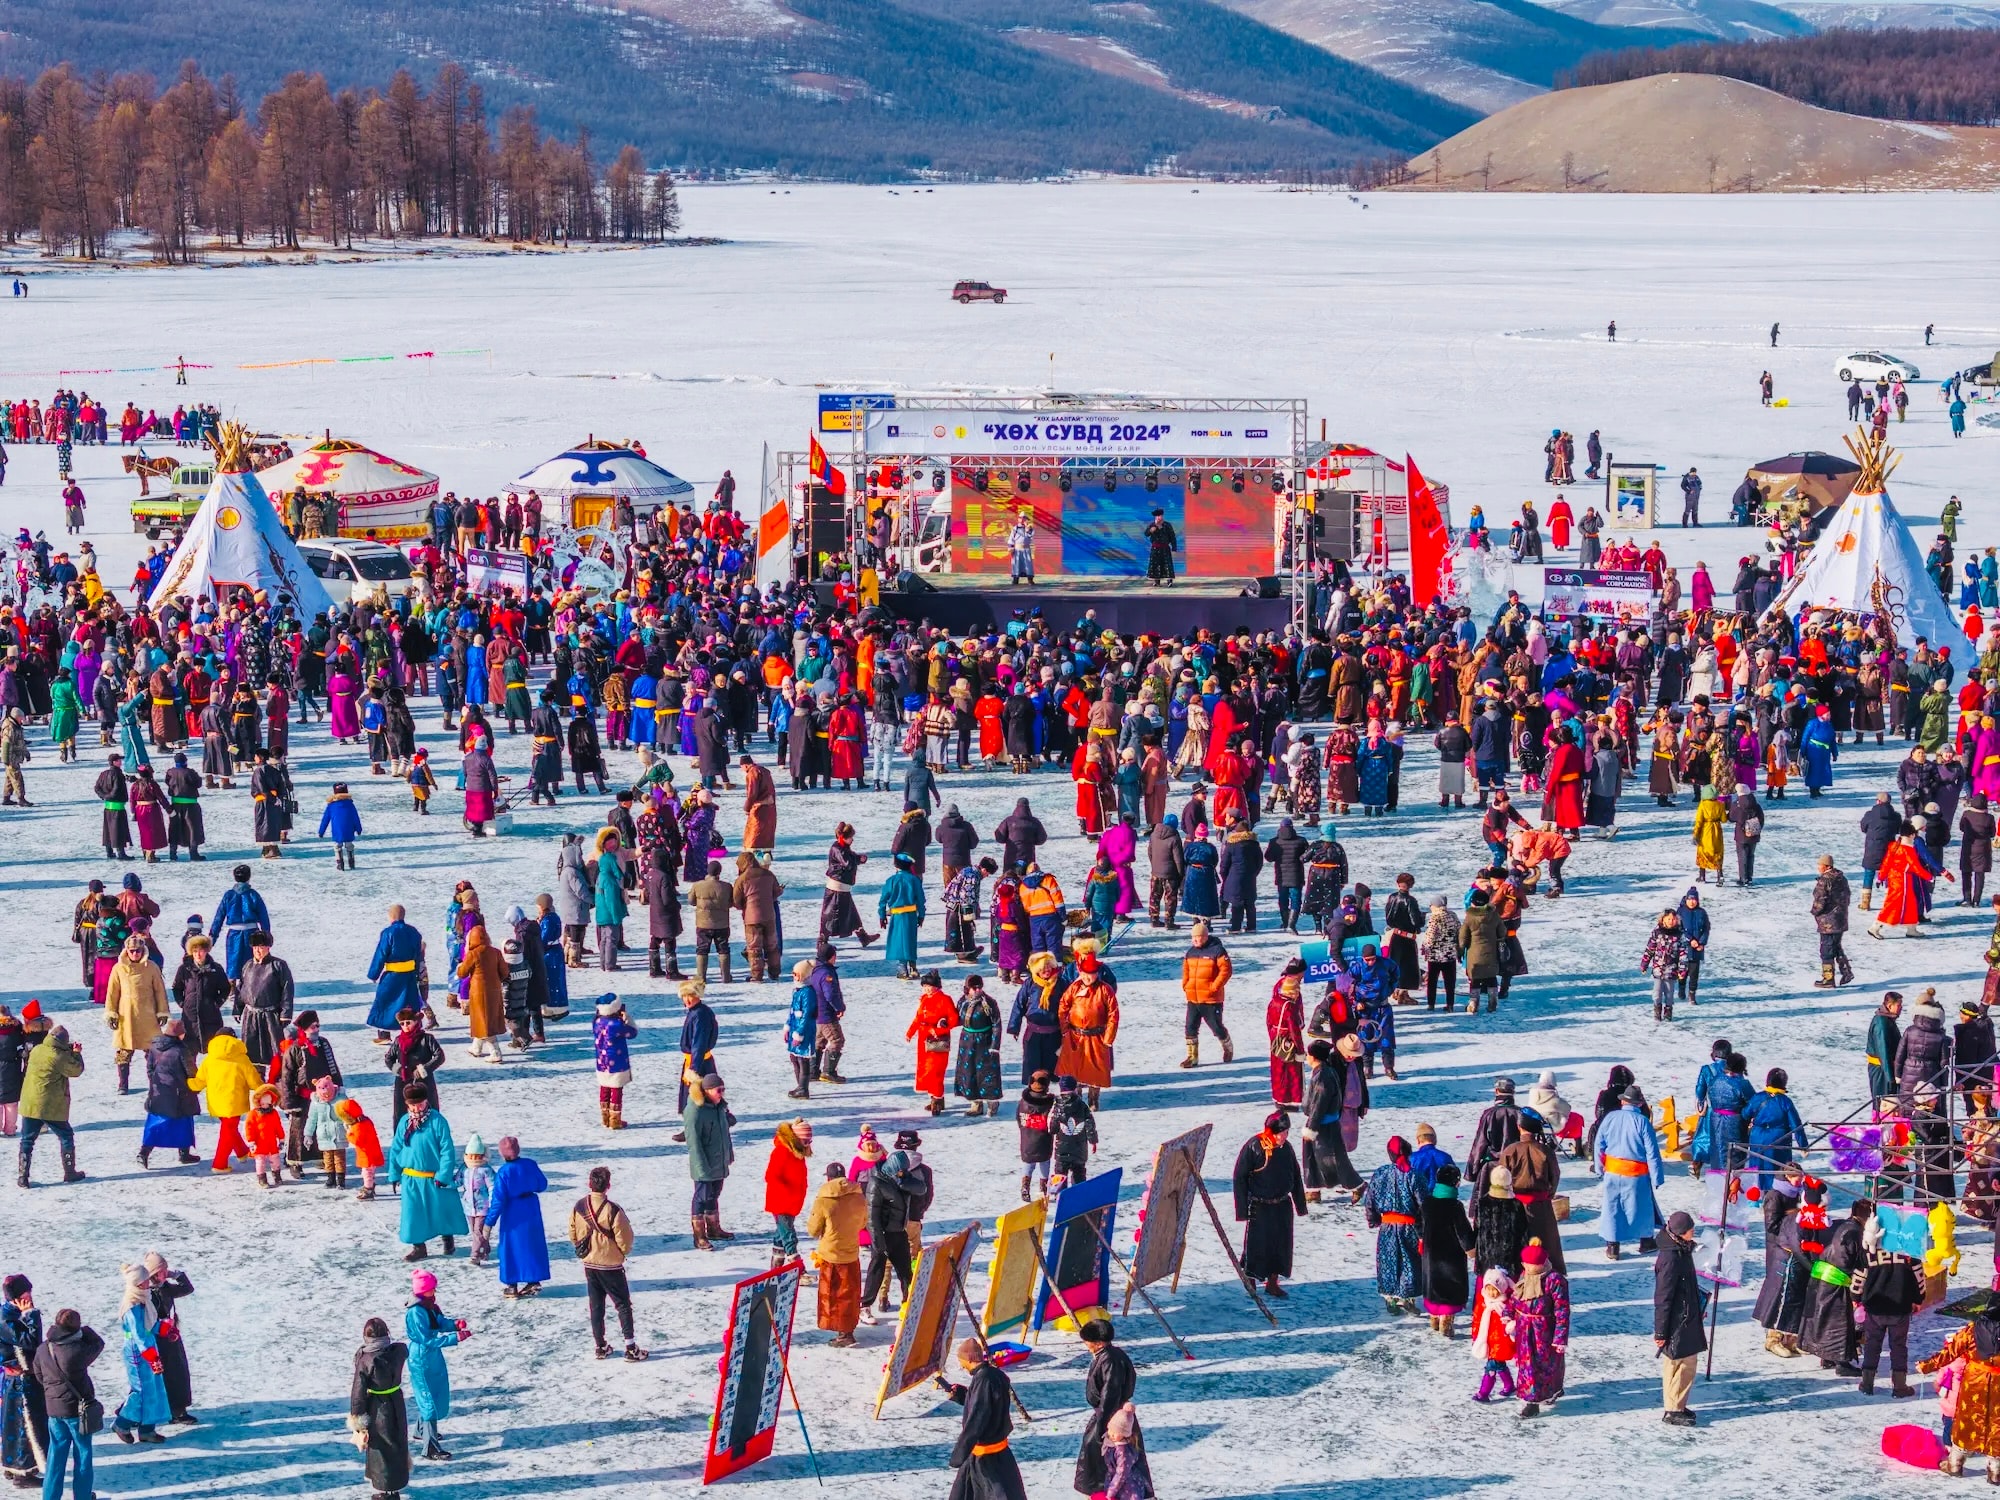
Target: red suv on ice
[978,291]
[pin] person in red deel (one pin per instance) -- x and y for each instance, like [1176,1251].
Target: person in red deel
[931,1029]
[1901,874]
[1562,802]
[1091,782]
[1561,517]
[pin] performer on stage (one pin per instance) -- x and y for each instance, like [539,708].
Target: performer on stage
[1160,562]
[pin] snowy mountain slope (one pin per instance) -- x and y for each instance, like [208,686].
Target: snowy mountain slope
[1858,15]
[1732,20]
[1486,54]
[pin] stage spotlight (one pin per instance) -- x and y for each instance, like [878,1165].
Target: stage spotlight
[1110,480]
[896,477]
[937,480]
[1062,482]
[1277,484]
[1152,480]
[1021,481]
[1215,479]
[979,478]
[1236,484]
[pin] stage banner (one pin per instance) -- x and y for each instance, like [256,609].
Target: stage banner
[488,572]
[774,531]
[1010,1278]
[1164,1207]
[1078,1252]
[837,408]
[754,1351]
[1598,594]
[930,1315]
[1086,434]
[1429,540]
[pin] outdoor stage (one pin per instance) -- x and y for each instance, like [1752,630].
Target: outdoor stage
[974,605]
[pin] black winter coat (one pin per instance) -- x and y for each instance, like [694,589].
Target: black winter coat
[63,1364]
[14,1044]
[304,1065]
[956,839]
[1165,857]
[201,990]
[1677,1304]
[1446,1235]
[1976,851]
[1879,826]
[169,1062]
[1286,854]
[1242,861]
[1021,832]
[375,1407]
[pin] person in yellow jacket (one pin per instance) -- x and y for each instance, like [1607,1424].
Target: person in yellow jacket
[135,1006]
[1708,821]
[228,1078]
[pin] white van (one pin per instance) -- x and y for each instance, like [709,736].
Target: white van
[348,566]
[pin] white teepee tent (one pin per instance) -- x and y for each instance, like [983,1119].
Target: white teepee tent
[1866,561]
[236,540]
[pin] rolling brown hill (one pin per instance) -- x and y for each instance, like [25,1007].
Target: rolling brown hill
[1698,133]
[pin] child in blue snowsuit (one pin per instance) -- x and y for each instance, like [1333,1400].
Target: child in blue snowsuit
[341,822]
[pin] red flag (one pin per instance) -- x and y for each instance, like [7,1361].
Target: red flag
[824,474]
[1428,539]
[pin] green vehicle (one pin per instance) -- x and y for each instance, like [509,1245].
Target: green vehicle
[166,513]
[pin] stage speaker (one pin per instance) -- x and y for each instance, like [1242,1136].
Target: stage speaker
[1270,586]
[826,522]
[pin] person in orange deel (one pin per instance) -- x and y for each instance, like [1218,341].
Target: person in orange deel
[1088,1012]
[264,1128]
[366,1143]
[931,1029]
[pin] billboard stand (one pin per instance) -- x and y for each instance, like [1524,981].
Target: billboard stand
[1152,1306]
[1230,1251]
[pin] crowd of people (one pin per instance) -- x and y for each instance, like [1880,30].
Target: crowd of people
[1262,741]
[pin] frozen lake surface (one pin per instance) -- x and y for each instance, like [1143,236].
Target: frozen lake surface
[1460,329]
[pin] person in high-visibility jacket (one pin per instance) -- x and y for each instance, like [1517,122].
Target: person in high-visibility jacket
[1042,900]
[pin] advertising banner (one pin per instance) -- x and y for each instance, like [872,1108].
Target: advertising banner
[837,408]
[1112,434]
[1598,594]
[488,572]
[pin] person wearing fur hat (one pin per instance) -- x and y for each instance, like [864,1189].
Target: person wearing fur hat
[1088,1014]
[706,1121]
[699,1030]
[425,1167]
[376,1415]
[24,1417]
[341,822]
[1539,1312]
[1502,1226]
[264,1131]
[144,1410]
[430,1333]
[611,1033]
[986,1467]
[1270,1192]
[785,1186]
[167,1287]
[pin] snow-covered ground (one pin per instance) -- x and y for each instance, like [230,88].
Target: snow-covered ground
[1459,328]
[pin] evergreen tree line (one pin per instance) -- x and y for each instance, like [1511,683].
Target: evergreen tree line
[1939,77]
[195,164]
